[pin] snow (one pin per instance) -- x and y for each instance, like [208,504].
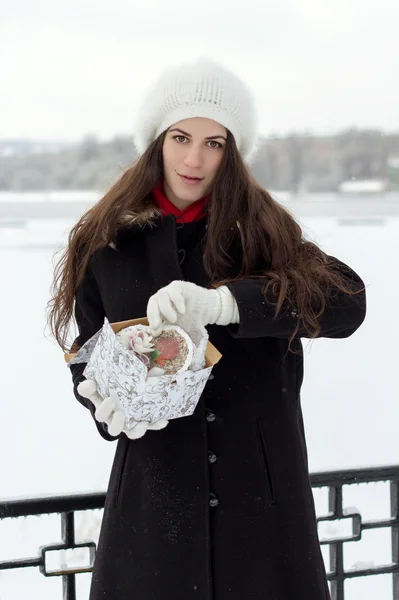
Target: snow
[362,565]
[49,444]
[363,185]
[349,395]
[50,196]
[348,511]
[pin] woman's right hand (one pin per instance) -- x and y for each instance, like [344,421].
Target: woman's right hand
[107,412]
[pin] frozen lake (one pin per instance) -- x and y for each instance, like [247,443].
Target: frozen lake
[49,444]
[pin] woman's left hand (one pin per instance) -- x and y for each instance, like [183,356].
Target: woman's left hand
[208,306]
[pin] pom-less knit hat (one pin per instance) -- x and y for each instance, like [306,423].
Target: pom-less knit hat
[199,89]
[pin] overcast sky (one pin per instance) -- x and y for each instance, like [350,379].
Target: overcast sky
[73,67]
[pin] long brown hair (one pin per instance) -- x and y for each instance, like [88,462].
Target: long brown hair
[244,222]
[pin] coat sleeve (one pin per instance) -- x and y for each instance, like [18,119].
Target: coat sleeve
[89,316]
[343,314]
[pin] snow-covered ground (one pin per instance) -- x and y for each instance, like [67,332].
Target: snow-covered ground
[48,443]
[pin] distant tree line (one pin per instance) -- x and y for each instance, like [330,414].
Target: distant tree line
[292,162]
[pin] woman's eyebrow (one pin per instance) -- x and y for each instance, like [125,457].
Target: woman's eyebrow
[212,137]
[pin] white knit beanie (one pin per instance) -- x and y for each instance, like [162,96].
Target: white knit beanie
[199,89]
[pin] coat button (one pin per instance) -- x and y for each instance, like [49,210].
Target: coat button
[210,416]
[211,376]
[212,456]
[213,501]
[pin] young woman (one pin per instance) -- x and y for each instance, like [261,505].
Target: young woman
[217,505]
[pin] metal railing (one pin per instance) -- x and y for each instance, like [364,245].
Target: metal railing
[333,481]
[66,507]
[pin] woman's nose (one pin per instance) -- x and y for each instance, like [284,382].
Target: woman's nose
[193,157]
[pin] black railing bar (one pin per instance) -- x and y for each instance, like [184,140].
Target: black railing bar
[51,504]
[69,587]
[332,500]
[343,477]
[343,539]
[337,590]
[337,568]
[394,497]
[65,572]
[331,516]
[365,524]
[337,549]
[351,574]
[339,501]
[68,528]
[328,516]
[377,524]
[357,527]
[20,563]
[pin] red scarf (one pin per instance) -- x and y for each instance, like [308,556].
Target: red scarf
[193,212]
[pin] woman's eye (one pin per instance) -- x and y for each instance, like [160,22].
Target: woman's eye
[179,138]
[218,145]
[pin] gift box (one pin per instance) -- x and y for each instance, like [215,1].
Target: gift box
[119,373]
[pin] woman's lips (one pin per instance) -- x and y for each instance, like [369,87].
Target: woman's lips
[189,180]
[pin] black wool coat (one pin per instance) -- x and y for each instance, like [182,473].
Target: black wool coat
[218,505]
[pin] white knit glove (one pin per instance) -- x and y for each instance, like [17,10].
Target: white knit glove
[107,412]
[209,306]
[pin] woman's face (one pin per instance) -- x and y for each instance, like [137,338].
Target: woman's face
[192,148]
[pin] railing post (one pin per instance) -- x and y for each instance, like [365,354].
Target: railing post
[69,587]
[336,548]
[395,535]
[68,537]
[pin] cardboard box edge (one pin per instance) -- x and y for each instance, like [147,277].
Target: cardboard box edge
[212,354]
